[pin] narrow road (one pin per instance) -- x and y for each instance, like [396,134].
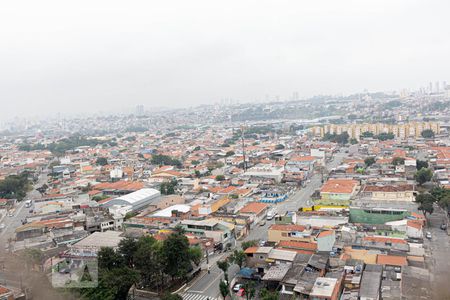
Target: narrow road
[437,255]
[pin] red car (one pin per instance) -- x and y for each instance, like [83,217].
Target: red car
[241,293]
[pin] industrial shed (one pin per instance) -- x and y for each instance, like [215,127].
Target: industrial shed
[137,200]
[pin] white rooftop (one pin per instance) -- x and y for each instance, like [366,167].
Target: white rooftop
[323,287]
[139,195]
[101,239]
[167,212]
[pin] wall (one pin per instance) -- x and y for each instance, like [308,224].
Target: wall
[358,215]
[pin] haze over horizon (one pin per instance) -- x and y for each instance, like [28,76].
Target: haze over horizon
[84,57]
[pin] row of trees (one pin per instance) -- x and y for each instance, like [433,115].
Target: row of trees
[337,138]
[384,136]
[147,262]
[160,159]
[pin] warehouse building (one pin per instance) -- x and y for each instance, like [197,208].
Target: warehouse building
[136,200]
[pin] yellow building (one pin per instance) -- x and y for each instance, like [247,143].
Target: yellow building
[402,131]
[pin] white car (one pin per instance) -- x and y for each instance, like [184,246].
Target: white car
[237,287]
[428,235]
[2,226]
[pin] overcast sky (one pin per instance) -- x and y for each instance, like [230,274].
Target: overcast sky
[86,56]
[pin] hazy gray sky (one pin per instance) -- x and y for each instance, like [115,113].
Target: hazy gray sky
[90,55]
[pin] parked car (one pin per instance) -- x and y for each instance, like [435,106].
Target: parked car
[262,243]
[2,226]
[241,293]
[444,226]
[237,287]
[262,223]
[428,235]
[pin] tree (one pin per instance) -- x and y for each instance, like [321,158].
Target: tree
[249,244]
[149,261]
[385,136]
[229,153]
[127,248]
[250,291]
[398,161]
[101,161]
[223,265]
[15,186]
[168,188]
[369,161]
[367,134]
[353,141]
[169,296]
[421,164]
[42,189]
[426,202]
[195,254]
[108,259]
[264,294]
[342,138]
[33,256]
[224,290]
[220,177]
[427,134]
[238,257]
[176,250]
[423,175]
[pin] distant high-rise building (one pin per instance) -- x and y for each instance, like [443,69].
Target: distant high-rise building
[140,110]
[437,89]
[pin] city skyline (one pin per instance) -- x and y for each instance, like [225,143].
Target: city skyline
[61,58]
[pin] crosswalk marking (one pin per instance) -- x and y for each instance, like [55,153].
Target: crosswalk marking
[195,296]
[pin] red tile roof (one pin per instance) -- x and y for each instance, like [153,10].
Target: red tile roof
[325,233]
[339,186]
[254,207]
[391,260]
[297,245]
[251,250]
[382,239]
[282,227]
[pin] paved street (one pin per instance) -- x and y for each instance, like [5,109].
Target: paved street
[20,213]
[438,258]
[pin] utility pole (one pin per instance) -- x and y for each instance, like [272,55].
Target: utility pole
[243,147]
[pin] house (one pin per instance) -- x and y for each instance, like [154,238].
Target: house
[338,191]
[266,171]
[6,294]
[219,231]
[325,288]
[403,192]
[290,232]
[371,282]
[391,260]
[414,229]
[257,257]
[89,246]
[255,211]
[325,240]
